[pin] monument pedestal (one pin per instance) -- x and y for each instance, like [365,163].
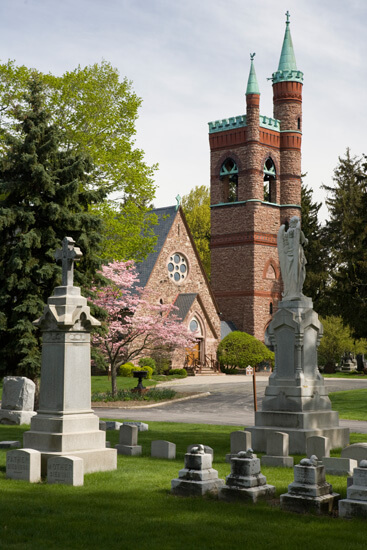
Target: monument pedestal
[65,423]
[296,400]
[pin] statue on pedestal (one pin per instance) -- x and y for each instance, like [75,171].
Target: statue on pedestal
[292,259]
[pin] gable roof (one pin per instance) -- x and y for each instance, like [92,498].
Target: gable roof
[183,302]
[166,217]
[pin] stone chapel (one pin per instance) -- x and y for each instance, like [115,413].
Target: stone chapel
[174,271]
[255,186]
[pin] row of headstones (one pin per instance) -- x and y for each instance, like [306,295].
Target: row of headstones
[309,492]
[25,464]
[277,452]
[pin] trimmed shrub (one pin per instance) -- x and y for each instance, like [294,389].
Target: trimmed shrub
[178,372]
[147,362]
[149,370]
[126,370]
[239,349]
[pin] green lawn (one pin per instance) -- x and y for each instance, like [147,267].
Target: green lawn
[132,508]
[351,405]
[358,376]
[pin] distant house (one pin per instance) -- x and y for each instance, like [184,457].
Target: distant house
[175,272]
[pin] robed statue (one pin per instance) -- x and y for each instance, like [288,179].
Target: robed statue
[292,258]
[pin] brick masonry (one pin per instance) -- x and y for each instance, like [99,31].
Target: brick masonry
[245,277]
[204,307]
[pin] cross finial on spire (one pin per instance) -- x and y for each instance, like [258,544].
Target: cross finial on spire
[68,254]
[288,16]
[178,199]
[252,55]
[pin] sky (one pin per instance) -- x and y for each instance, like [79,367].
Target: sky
[189,61]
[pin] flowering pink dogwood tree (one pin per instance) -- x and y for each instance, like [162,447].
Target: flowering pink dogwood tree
[135,323]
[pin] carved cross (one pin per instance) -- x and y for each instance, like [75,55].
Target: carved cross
[68,254]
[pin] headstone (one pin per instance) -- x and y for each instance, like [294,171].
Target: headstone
[207,449]
[17,400]
[65,424]
[296,400]
[277,451]
[67,470]
[319,446]
[128,441]
[198,477]
[355,505]
[357,451]
[240,441]
[142,427]
[309,492]
[246,482]
[112,425]
[9,444]
[348,363]
[163,449]
[24,464]
[339,466]
[102,425]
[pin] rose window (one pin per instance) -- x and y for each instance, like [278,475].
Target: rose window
[177,267]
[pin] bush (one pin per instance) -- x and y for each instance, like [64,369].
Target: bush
[126,370]
[149,370]
[162,360]
[239,349]
[147,362]
[178,372]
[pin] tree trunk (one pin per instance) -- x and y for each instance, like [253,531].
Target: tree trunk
[113,379]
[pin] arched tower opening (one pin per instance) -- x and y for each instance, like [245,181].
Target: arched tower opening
[229,178]
[269,181]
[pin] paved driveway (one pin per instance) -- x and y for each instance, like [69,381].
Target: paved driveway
[230,402]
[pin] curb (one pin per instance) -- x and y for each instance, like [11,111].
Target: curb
[150,406]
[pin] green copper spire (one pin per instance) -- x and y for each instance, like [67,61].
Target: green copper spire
[287,69]
[252,85]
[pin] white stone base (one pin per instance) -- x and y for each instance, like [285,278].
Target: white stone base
[186,488]
[323,504]
[16,417]
[75,434]
[95,460]
[339,437]
[253,494]
[128,450]
[349,508]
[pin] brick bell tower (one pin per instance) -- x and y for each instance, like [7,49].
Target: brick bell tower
[255,187]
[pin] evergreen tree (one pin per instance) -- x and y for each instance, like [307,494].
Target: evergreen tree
[45,194]
[316,278]
[346,234]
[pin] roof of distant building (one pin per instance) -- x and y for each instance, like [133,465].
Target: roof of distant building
[183,302]
[166,217]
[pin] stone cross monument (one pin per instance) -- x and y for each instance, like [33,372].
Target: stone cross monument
[296,400]
[65,424]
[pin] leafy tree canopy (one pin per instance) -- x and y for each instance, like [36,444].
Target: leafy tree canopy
[95,114]
[337,340]
[239,349]
[196,206]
